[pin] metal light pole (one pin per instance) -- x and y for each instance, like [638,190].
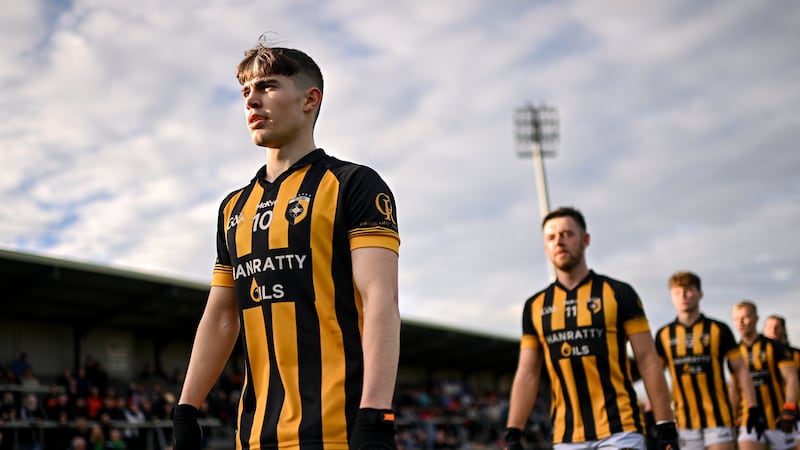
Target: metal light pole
[536,133]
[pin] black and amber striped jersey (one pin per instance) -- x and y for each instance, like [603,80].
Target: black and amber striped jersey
[796,359]
[286,249]
[695,357]
[766,357]
[583,336]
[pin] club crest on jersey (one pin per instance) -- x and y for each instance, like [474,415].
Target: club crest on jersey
[297,209]
[384,205]
[595,305]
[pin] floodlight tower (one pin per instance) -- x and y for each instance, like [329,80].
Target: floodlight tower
[536,133]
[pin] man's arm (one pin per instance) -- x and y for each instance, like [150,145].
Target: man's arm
[375,275]
[789,374]
[734,392]
[216,335]
[741,374]
[525,387]
[652,372]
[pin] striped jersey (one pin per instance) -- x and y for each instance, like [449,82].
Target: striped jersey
[766,357]
[695,357]
[285,248]
[583,334]
[796,358]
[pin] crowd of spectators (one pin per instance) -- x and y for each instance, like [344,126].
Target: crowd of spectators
[84,409]
[88,409]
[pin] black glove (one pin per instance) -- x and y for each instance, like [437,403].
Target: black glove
[374,430]
[650,433]
[788,420]
[186,431]
[513,438]
[756,421]
[667,436]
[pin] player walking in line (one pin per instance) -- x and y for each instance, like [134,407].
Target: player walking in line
[774,379]
[694,349]
[775,328]
[579,327]
[306,270]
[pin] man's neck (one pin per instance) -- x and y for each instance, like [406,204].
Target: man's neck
[279,160]
[750,338]
[688,317]
[571,278]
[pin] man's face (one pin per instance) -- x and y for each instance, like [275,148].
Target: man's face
[686,299]
[745,320]
[274,110]
[773,329]
[564,242]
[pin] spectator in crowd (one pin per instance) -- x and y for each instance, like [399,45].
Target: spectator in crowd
[113,408]
[97,438]
[10,377]
[115,440]
[59,436]
[146,407]
[96,373]
[94,402]
[80,407]
[30,437]
[9,406]
[4,375]
[83,427]
[83,385]
[65,379]
[134,436]
[28,378]
[57,402]
[78,443]
[19,365]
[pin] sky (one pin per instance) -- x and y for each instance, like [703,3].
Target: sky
[122,128]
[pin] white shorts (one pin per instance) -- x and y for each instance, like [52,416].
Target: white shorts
[702,438]
[627,440]
[777,439]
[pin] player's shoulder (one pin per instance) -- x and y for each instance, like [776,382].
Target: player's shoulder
[716,322]
[777,345]
[343,168]
[615,283]
[539,295]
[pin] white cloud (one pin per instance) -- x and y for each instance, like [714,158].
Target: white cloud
[121,131]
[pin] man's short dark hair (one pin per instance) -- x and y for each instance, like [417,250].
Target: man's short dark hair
[264,59]
[566,211]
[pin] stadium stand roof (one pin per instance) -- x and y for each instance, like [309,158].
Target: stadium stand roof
[58,291]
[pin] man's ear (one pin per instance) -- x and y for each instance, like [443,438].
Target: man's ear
[313,99]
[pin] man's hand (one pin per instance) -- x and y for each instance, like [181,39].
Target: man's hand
[186,431]
[788,420]
[513,438]
[667,436]
[756,421]
[373,430]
